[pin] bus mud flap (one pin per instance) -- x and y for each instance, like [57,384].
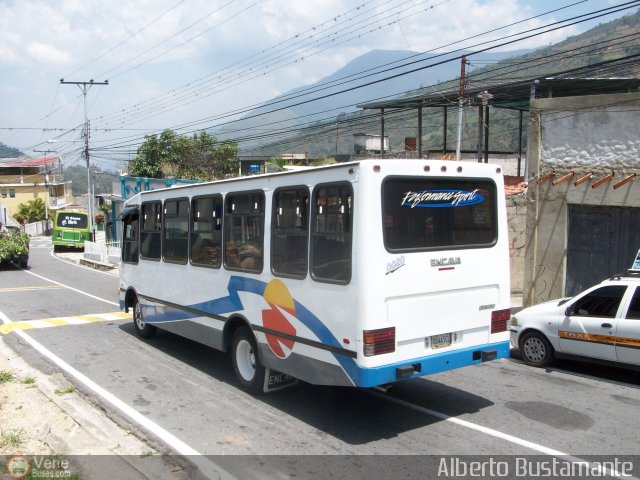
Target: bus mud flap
[274,380]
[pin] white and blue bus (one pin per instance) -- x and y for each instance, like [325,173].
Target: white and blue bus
[356,274]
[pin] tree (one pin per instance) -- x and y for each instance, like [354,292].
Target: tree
[200,157]
[31,211]
[78,176]
[276,164]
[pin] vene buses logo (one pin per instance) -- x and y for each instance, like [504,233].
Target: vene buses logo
[18,467]
[441,198]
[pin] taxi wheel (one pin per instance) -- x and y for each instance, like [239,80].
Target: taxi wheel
[246,363]
[536,350]
[143,329]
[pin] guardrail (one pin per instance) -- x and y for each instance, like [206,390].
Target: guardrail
[103,252]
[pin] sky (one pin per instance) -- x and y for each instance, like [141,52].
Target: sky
[185,64]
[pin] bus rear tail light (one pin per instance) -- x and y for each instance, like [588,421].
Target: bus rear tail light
[377,342]
[499,320]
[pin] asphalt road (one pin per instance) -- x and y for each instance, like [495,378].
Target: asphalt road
[498,408]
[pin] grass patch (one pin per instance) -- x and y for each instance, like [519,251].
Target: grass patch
[148,453]
[13,438]
[64,391]
[28,380]
[5,376]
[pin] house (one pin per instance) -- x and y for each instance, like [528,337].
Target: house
[24,179]
[365,143]
[584,195]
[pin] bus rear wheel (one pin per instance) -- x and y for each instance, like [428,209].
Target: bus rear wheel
[246,363]
[143,329]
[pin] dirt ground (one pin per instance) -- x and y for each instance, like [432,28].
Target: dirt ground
[34,412]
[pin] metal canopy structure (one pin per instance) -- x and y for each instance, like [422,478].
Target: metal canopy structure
[512,96]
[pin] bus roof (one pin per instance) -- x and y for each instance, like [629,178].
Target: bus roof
[71,210]
[309,170]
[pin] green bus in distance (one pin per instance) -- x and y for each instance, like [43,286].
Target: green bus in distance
[70,229]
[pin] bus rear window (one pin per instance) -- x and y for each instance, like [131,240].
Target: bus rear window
[72,220]
[438,213]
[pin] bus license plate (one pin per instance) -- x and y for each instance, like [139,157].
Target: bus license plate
[441,341]
[275,380]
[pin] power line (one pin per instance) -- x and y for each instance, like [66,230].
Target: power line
[99,57]
[214,118]
[582,18]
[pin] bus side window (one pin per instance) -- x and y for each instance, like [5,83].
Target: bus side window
[150,236]
[244,231]
[175,233]
[332,232]
[130,240]
[206,231]
[290,232]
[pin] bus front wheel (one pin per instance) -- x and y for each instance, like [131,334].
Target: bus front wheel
[143,329]
[246,363]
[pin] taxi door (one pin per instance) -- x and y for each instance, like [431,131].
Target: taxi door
[628,332]
[589,326]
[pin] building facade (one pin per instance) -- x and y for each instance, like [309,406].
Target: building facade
[25,179]
[583,215]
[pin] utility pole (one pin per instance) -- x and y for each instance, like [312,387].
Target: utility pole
[463,80]
[84,88]
[46,186]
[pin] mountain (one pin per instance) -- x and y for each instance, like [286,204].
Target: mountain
[604,42]
[591,54]
[295,107]
[9,152]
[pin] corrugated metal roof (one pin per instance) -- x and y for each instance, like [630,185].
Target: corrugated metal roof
[31,162]
[515,95]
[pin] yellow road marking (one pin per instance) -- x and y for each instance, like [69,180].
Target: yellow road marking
[29,289]
[62,321]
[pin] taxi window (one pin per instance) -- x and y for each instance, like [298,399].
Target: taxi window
[634,308]
[602,302]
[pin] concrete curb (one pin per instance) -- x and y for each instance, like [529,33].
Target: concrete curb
[97,264]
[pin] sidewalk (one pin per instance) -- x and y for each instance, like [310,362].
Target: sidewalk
[78,256]
[44,416]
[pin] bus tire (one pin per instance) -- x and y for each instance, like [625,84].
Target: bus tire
[246,362]
[536,350]
[143,329]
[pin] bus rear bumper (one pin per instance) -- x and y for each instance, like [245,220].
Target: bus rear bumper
[440,362]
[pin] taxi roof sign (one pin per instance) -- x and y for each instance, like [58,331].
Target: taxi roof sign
[636,263]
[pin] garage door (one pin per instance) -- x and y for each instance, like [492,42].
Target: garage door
[602,241]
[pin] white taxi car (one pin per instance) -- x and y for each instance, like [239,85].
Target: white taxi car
[601,323]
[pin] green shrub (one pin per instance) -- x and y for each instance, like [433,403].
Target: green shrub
[13,244]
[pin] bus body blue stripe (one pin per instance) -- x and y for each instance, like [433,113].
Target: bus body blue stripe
[439,362]
[361,377]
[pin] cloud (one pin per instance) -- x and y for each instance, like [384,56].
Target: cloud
[151,50]
[42,53]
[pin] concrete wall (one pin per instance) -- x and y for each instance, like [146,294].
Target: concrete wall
[517,219]
[597,134]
